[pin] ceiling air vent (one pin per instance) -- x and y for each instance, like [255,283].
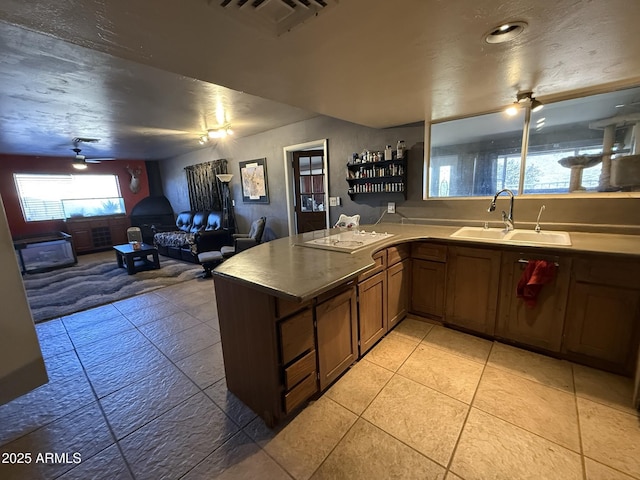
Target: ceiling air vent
[273,16]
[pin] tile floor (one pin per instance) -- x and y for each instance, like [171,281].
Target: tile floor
[138,391]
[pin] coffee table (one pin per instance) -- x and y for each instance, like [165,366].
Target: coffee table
[126,257]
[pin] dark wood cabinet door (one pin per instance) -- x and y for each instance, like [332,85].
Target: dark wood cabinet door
[601,325]
[337,335]
[603,314]
[541,325]
[397,292]
[473,277]
[372,313]
[82,239]
[427,288]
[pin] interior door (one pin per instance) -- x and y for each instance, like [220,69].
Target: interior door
[310,197]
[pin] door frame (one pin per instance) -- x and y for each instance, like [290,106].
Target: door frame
[288,178]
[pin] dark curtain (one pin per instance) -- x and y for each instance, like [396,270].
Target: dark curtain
[205,190]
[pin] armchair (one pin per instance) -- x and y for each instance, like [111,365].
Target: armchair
[244,241]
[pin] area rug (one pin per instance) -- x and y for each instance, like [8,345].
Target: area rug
[97,280]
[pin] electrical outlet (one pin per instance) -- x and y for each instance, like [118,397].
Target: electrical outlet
[391,207]
[333,202]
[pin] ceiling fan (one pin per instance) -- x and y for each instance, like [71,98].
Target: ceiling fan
[80,161]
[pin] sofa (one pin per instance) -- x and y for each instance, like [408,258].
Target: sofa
[194,233]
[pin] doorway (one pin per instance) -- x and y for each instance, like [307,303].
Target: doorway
[308,183]
[307,180]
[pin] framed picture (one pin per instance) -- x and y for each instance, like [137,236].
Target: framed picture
[254,181]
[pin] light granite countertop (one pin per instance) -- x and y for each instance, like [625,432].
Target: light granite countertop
[288,269]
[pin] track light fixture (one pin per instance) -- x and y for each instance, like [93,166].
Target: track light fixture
[524,99]
[221,132]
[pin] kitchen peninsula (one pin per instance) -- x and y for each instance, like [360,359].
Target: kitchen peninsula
[295,314]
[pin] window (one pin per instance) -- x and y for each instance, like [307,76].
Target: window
[570,146]
[43,196]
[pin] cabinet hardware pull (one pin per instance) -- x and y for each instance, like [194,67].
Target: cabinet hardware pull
[524,260]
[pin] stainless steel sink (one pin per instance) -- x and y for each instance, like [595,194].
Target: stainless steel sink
[517,236]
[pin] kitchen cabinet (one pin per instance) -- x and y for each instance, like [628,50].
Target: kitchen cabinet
[297,350]
[473,281]
[603,313]
[382,176]
[372,303]
[542,325]
[383,295]
[398,282]
[372,311]
[337,335]
[428,270]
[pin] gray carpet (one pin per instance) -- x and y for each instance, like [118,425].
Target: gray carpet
[97,280]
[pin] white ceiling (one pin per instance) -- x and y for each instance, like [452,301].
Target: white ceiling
[126,72]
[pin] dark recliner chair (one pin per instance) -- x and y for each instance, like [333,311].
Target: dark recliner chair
[244,241]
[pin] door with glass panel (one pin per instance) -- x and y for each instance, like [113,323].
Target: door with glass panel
[310,196]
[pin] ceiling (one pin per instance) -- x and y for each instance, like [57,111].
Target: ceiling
[148,77]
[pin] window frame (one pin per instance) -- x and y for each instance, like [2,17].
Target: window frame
[65,192]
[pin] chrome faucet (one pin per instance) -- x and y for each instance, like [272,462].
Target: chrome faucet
[537,229]
[507,219]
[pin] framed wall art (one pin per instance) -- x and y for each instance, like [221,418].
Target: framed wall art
[255,188]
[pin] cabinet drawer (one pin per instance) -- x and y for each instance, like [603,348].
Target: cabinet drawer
[397,253]
[607,272]
[284,308]
[381,263]
[299,370]
[296,336]
[429,251]
[300,392]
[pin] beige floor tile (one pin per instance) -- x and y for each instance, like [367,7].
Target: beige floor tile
[204,312]
[411,330]
[450,374]
[359,386]
[240,458]
[597,471]
[139,302]
[366,452]
[452,476]
[419,416]
[459,343]
[302,445]
[537,408]
[610,436]
[536,367]
[603,387]
[390,353]
[492,448]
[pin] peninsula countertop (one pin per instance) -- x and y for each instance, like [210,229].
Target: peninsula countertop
[290,269]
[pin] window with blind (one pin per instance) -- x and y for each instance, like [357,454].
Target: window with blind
[42,196]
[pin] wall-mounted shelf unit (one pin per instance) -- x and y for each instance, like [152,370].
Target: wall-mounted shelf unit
[385,176]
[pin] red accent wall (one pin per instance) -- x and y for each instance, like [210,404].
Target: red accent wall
[10,164]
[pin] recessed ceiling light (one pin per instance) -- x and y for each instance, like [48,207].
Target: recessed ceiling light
[505,32]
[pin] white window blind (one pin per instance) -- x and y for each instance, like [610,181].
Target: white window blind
[41,195]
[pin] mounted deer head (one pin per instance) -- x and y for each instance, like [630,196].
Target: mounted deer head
[134,183]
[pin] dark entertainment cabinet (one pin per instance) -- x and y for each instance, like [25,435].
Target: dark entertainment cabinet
[97,233]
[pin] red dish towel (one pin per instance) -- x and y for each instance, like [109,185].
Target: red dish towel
[536,274]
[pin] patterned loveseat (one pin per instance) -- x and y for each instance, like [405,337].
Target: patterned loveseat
[196,232]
